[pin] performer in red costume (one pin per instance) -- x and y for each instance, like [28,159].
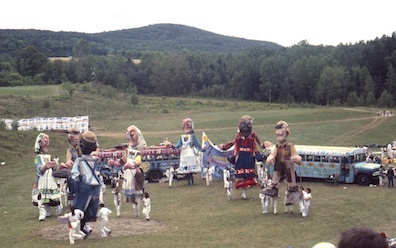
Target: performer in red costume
[245,154]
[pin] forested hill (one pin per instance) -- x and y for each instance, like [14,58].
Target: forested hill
[158,37]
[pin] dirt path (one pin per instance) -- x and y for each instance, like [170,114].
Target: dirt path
[119,226]
[353,133]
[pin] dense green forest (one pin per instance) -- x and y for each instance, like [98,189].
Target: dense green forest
[176,60]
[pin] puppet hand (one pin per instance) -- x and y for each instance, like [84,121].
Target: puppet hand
[296,159]
[268,144]
[270,159]
[50,164]
[63,166]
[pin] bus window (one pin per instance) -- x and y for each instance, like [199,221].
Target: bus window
[325,159]
[317,158]
[303,157]
[345,160]
[309,158]
[360,158]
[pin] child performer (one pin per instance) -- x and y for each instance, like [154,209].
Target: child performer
[209,170]
[169,175]
[146,205]
[228,186]
[104,214]
[226,175]
[117,201]
[305,202]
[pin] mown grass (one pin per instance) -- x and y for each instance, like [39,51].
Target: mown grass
[203,216]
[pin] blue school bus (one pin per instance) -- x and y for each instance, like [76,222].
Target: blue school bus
[347,164]
[155,161]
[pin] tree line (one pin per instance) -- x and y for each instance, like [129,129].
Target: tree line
[361,74]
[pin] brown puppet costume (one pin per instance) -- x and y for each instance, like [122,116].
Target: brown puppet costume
[245,153]
[284,156]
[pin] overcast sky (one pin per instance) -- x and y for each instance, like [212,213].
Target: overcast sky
[286,22]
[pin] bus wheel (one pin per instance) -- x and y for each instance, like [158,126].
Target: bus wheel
[363,179]
[154,176]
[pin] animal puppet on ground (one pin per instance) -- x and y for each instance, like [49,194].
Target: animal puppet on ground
[245,154]
[283,157]
[190,147]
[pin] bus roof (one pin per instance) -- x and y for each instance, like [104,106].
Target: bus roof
[329,150]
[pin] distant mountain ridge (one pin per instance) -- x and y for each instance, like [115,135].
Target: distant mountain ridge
[157,37]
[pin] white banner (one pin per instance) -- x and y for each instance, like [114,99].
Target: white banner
[50,123]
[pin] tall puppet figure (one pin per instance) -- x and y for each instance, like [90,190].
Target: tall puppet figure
[73,152]
[85,175]
[284,156]
[190,147]
[45,190]
[245,154]
[133,181]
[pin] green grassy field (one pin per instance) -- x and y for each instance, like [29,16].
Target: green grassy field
[198,216]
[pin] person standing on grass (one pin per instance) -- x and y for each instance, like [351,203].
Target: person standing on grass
[261,175]
[381,175]
[228,186]
[305,201]
[169,175]
[104,214]
[117,200]
[146,205]
[209,170]
[390,175]
[226,175]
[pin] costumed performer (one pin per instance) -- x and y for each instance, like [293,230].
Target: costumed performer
[283,157]
[133,175]
[209,171]
[245,154]
[85,175]
[190,148]
[45,189]
[226,175]
[73,152]
[169,175]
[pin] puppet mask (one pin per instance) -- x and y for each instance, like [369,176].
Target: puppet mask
[281,131]
[132,136]
[187,125]
[245,125]
[45,142]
